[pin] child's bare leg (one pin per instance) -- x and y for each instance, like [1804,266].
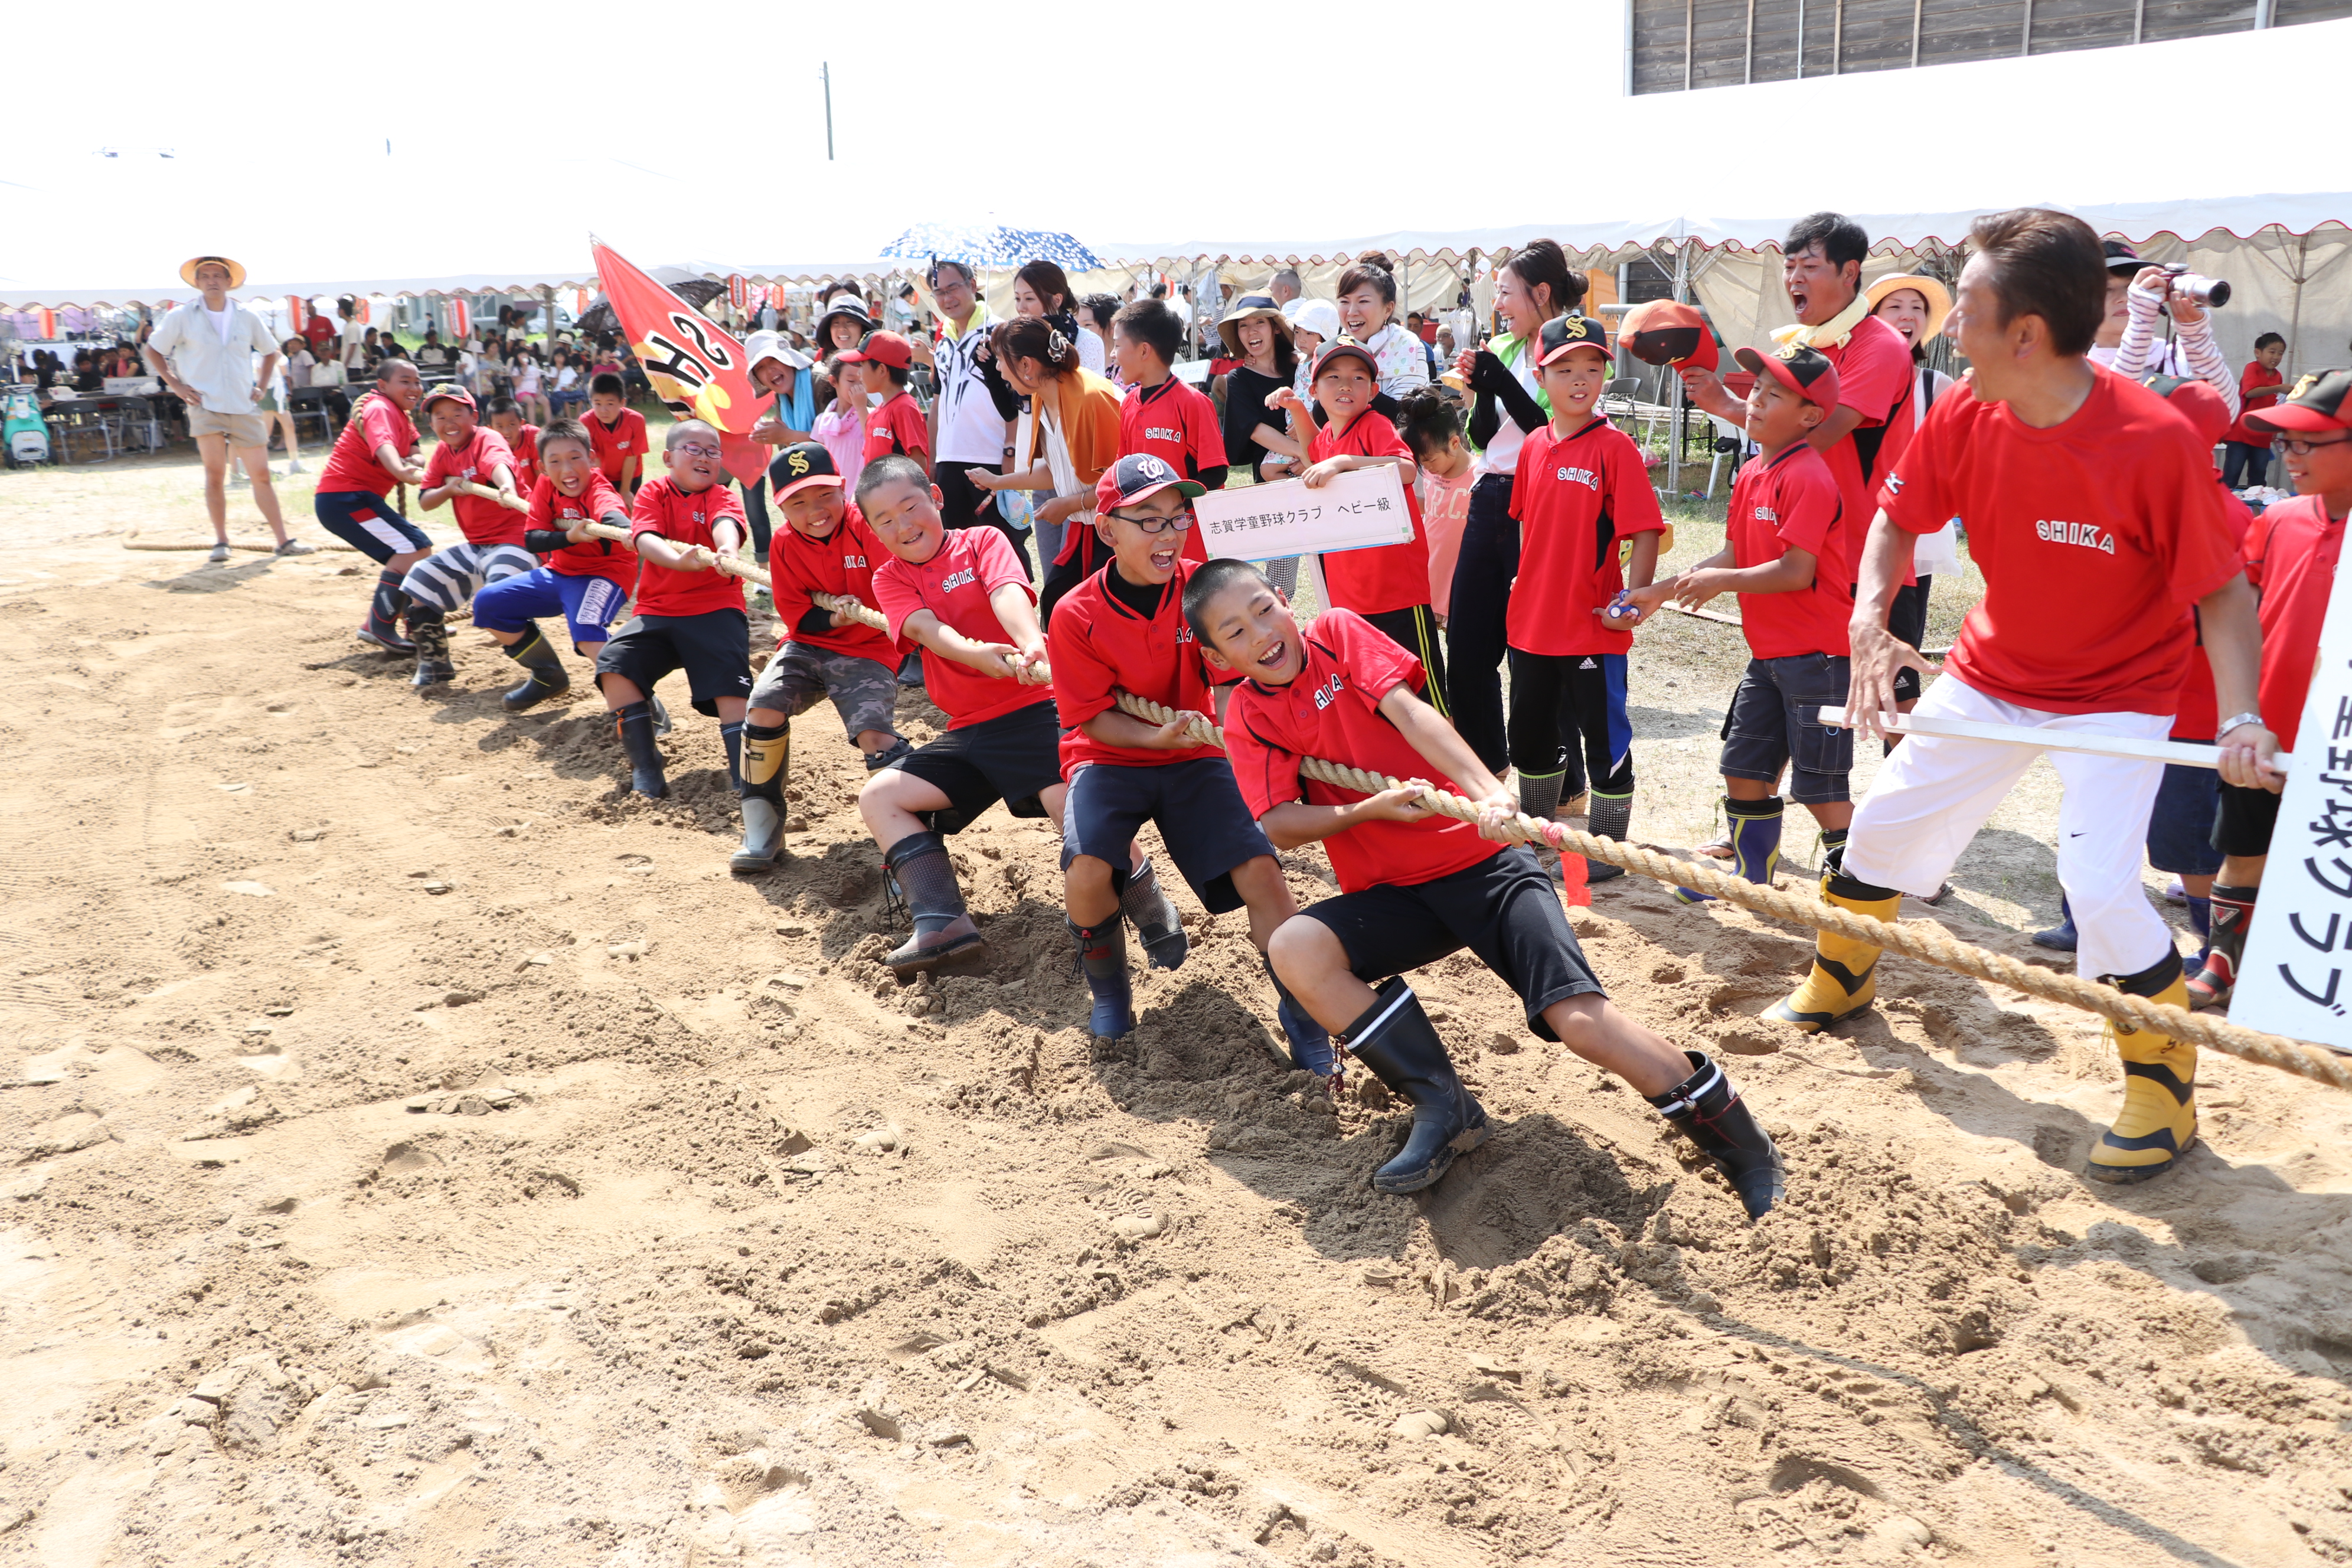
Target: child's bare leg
[619,691]
[1594,1030]
[1086,892]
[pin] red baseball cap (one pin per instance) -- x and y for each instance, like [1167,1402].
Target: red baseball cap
[453,392]
[1137,475]
[2197,402]
[1806,372]
[2321,401]
[1662,331]
[884,348]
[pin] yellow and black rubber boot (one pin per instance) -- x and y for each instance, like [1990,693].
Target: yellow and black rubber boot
[1844,978]
[2159,1116]
[767,756]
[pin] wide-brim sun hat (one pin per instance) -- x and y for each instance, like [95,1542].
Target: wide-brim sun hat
[769,343]
[1245,308]
[1938,298]
[235,269]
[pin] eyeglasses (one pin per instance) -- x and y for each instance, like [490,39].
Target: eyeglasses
[1179,523]
[696,449]
[2296,446]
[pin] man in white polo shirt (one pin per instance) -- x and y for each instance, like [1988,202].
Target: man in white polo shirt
[204,351]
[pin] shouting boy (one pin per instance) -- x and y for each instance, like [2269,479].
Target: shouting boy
[586,580]
[1124,629]
[1416,887]
[823,547]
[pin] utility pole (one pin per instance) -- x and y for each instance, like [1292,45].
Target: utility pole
[825,74]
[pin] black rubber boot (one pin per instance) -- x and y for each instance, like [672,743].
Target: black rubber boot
[1396,1041]
[767,759]
[876,761]
[381,626]
[1707,1110]
[2060,937]
[925,877]
[1613,817]
[545,675]
[636,722]
[731,736]
[432,640]
[1310,1042]
[1158,926]
[1102,954]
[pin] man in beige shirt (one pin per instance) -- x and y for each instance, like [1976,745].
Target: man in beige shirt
[204,351]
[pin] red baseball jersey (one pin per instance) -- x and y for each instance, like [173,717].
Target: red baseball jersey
[616,443]
[479,459]
[954,584]
[2198,711]
[2291,554]
[896,426]
[1791,502]
[1100,645]
[1575,497]
[600,502]
[1387,576]
[1875,378]
[841,562]
[2095,537]
[685,517]
[525,448]
[1177,424]
[351,465]
[1332,710]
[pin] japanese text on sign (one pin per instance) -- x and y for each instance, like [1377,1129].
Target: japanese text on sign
[1359,509]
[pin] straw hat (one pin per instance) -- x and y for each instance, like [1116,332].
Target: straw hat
[1247,306]
[188,270]
[1938,298]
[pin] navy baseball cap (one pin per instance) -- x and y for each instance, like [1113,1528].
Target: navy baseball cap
[1136,475]
[800,465]
[1563,334]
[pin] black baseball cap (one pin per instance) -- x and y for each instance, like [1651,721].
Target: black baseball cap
[1807,371]
[800,465]
[2121,257]
[1562,334]
[2321,401]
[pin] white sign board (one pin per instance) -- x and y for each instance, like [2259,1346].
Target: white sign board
[1359,509]
[2293,980]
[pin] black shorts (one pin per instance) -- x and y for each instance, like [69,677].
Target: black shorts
[1204,824]
[714,649]
[1013,757]
[2247,817]
[1505,909]
[1772,725]
[1907,617]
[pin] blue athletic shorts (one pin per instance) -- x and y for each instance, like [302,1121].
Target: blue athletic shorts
[362,520]
[588,604]
[2180,824]
[1204,824]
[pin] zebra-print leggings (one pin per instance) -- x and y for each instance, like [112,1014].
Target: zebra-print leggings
[447,578]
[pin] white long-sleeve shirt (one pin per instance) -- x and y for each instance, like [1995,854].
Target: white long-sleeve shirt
[2192,352]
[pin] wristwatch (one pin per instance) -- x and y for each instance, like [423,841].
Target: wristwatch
[2234,720]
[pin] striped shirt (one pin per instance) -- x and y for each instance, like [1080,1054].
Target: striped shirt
[2192,355]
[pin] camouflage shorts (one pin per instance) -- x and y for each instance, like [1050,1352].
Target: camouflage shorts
[866,694]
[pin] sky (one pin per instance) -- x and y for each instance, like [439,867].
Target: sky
[710,147]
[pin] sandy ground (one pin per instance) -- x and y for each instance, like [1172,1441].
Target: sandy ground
[423,1154]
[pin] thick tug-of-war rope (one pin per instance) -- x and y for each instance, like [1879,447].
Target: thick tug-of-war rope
[1922,940]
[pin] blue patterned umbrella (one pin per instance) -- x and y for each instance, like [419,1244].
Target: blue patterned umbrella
[992,246]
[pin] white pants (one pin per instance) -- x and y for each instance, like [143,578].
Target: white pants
[1930,797]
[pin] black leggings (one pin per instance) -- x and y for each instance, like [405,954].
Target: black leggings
[1475,614]
[1414,630]
[755,512]
[1555,697]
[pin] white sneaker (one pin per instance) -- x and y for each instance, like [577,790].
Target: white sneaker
[219,554]
[237,480]
[296,547]
[296,467]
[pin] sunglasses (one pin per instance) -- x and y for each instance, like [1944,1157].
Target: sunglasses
[2296,446]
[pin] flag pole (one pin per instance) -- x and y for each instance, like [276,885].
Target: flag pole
[825,74]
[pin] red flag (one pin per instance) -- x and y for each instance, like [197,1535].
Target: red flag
[697,369]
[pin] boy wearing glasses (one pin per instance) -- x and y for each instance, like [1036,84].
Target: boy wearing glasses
[690,615]
[2291,554]
[1123,628]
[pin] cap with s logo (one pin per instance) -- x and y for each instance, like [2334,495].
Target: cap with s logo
[1807,371]
[1136,475]
[2320,402]
[1562,335]
[800,465]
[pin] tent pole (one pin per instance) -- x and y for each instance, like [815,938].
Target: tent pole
[2294,321]
[1675,425]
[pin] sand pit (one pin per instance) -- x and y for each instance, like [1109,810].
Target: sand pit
[419,1153]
